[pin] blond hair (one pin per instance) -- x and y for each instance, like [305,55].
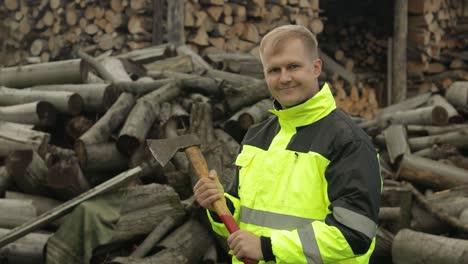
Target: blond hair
[277,38]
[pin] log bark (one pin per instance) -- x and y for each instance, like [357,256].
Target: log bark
[29,171]
[407,248]
[41,204]
[28,250]
[66,179]
[101,157]
[65,102]
[236,98]
[399,60]
[255,114]
[397,145]
[181,63]
[430,115]
[40,114]
[102,129]
[431,173]
[434,130]
[458,139]
[175,22]
[5,181]
[437,152]
[19,212]
[92,94]
[149,54]
[15,137]
[142,117]
[191,239]
[144,209]
[329,65]
[453,115]
[154,237]
[59,72]
[192,83]
[457,94]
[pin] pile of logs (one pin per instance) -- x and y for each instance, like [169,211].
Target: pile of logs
[46,30]
[437,43]
[423,143]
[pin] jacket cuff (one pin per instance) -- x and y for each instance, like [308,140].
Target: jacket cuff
[267,250]
[215,216]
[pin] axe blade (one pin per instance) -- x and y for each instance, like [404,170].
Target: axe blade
[164,149]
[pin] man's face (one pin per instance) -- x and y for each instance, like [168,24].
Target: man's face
[291,73]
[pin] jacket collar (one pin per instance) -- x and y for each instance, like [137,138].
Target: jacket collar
[312,110]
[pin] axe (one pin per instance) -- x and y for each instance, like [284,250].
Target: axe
[164,149]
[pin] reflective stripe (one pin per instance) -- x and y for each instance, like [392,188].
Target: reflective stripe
[272,220]
[309,244]
[355,221]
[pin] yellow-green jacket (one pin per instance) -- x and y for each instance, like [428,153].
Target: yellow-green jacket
[309,184]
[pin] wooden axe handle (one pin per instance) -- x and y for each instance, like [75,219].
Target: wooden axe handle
[201,169]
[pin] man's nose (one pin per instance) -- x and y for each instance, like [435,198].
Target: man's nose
[285,76]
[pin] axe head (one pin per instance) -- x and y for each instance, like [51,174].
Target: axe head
[164,149]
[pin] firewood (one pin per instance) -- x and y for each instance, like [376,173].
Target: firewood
[26,250]
[430,115]
[397,145]
[101,130]
[144,208]
[19,212]
[457,94]
[456,138]
[66,179]
[142,116]
[149,54]
[77,126]
[330,65]
[434,130]
[41,204]
[193,83]
[15,137]
[92,94]
[5,181]
[58,72]
[65,102]
[407,248]
[154,237]
[437,152]
[28,171]
[40,113]
[175,22]
[165,256]
[453,115]
[255,114]
[184,239]
[182,63]
[431,173]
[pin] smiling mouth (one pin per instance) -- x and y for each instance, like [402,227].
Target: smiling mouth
[288,87]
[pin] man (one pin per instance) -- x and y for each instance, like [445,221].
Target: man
[308,183]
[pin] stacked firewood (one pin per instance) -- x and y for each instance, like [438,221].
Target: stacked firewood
[52,29]
[423,143]
[437,40]
[238,25]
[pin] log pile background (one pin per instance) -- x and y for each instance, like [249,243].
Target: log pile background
[69,125]
[437,35]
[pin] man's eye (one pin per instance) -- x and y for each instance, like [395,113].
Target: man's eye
[275,70]
[293,66]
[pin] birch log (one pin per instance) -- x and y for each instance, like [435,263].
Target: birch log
[142,117]
[458,139]
[411,247]
[21,137]
[19,212]
[58,72]
[65,102]
[27,250]
[40,113]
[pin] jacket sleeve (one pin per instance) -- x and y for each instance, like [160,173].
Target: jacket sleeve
[348,231]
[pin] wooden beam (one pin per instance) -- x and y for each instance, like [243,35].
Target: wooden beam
[400,36]
[175,22]
[158,22]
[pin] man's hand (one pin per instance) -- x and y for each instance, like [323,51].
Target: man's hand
[245,244]
[208,190]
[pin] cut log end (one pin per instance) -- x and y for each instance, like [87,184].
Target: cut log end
[46,113]
[439,116]
[75,104]
[127,145]
[80,150]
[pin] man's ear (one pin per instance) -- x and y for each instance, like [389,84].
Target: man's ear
[317,67]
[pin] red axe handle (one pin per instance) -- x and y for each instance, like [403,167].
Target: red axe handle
[201,169]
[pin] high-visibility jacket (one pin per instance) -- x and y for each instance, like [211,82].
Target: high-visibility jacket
[309,184]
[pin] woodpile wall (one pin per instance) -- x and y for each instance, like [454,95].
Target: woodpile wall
[437,35]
